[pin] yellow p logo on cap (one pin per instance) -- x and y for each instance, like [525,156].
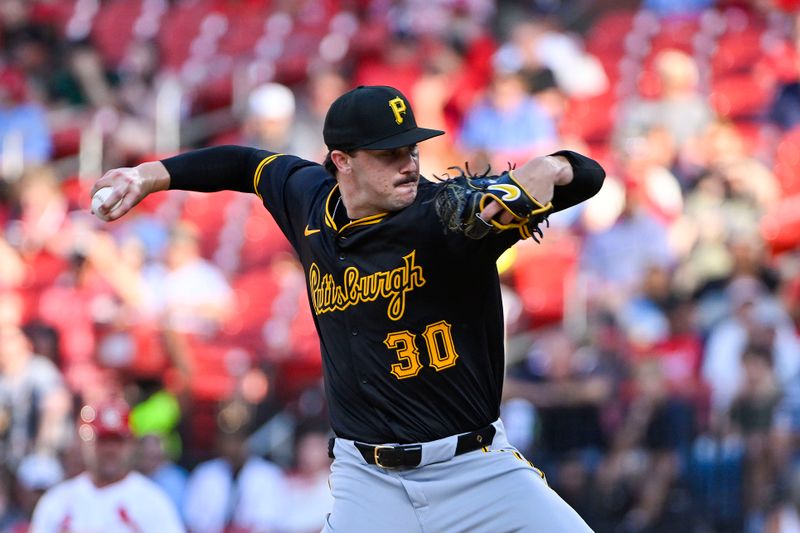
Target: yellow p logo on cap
[398,108]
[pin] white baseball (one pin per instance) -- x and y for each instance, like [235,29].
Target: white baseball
[99,199]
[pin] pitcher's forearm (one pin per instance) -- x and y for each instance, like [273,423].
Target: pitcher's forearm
[156,175]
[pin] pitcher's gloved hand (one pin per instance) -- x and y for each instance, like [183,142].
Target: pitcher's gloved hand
[461,200]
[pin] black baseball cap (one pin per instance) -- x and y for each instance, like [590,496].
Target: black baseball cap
[373,117]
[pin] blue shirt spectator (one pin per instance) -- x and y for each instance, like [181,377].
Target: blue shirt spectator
[617,258]
[26,119]
[677,8]
[508,123]
[154,463]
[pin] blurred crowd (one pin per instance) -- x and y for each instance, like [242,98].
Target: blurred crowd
[653,336]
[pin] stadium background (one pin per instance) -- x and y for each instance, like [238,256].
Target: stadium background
[653,335]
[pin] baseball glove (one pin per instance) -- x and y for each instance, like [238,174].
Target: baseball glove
[461,199]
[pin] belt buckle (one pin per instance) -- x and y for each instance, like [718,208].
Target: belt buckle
[376,456]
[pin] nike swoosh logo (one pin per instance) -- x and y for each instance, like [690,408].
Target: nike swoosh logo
[308,231]
[510,192]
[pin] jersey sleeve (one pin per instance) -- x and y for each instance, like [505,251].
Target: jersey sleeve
[269,175]
[46,516]
[287,185]
[588,177]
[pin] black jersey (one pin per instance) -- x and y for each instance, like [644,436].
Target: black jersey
[409,316]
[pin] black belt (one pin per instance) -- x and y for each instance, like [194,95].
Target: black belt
[410,455]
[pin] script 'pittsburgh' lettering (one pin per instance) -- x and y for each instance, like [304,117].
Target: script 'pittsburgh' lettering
[393,285]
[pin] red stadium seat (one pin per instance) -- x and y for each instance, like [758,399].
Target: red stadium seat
[591,119]
[29,297]
[179,28]
[781,60]
[151,357]
[254,292]
[66,141]
[42,270]
[263,239]
[780,228]
[248,29]
[212,94]
[543,290]
[113,28]
[610,58]
[214,367]
[752,133]
[609,31]
[737,52]
[208,213]
[678,34]
[304,367]
[59,13]
[746,95]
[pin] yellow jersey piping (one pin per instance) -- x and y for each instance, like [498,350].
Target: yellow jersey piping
[363,221]
[257,174]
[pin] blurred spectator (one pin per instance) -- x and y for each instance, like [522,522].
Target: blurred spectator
[747,179]
[750,259]
[508,125]
[700,236]
[34,401]
[784,110]
[82,81]
[715,476]
[152,461]
[646,166]
[44,340]
[644,459]
[270,123]
[677,9]
[237,491]
[568,387]
[533,45]
[751,417]
[680,351]
[432,93]
[138,77]
[91,302]
[43,217]
[13,271]
[399,59]
[785,430]
[785,516]
[638,237]
[10,512]
[259,391]
[71,458]
[679,108]
[542,85]
[35,475]
[24,132]
[129,260]
[642,316]
[755,318]
[308,496]
[139,82]
[12,308]
[108,496]
[196,295]
[323,87]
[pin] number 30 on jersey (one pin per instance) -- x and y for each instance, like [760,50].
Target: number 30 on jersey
[439,344]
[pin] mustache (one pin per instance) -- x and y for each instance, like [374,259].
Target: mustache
[411,178]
